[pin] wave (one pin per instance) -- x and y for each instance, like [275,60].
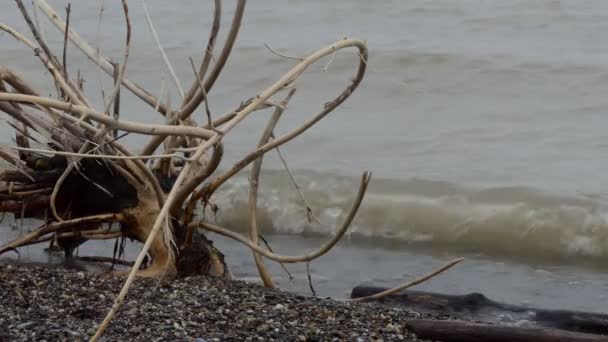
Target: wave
[507,221]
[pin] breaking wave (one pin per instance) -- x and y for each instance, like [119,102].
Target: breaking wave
[508,221]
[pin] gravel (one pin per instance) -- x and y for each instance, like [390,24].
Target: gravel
[44,304]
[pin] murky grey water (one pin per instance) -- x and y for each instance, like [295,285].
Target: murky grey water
[484,123]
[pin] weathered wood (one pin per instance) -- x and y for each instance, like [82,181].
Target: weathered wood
[462,331]
[38,177]
[476,306]
[27,208]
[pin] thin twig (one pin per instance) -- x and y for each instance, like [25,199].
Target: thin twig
[97,41]
[326,67]
[312,289]
[281,54]
[410,283]
[162,51]
[208,56]
[309,214]
[116,110]
[65,40]
[205,99]
[270,249]
[123,65]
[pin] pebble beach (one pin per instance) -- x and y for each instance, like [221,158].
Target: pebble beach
[55,304]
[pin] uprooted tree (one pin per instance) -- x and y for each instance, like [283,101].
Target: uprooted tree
[70,170]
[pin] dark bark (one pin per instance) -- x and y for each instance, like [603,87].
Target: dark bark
[475,306]
[461,331]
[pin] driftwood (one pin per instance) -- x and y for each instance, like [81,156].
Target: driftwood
[462,331]
[69,169]
[477,307]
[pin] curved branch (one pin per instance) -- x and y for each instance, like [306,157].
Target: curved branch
[124,125]
[284,81]
[365,178]
[74,94]
[199,95]
[37,36]
[410,283]
[329,106]
[100,60]
[208,56]
[254,180]
[55,227]
[219,63]
[182,180]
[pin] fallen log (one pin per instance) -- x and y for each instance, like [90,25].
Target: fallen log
[462,331]
[476,306]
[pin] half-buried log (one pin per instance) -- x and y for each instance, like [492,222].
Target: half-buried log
[476,306]
[461,331]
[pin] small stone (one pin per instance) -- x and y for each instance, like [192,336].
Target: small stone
[25,325]
[279,307]
[176,326]
[302,338]
[102,296]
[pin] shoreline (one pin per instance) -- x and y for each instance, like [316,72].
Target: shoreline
[41,303]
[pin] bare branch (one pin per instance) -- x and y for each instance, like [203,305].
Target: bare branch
[254,180]
[123,125]
[101,156]
[162,51]
[208,56]
[65,41]
[302,258]
[410,283]
[54,227]
[95,56]
[202,89]
[123,65]
[282,55]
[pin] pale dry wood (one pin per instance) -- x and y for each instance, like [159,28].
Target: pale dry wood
[282,55]
[328,107]
[123,65]
[54,227]
[96,57]
[161,49]
[101,156]
[410,283]
[52,58]
[197,98]
[123,125]
[182,180]
[365,178]
[208,55]
[254,179]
